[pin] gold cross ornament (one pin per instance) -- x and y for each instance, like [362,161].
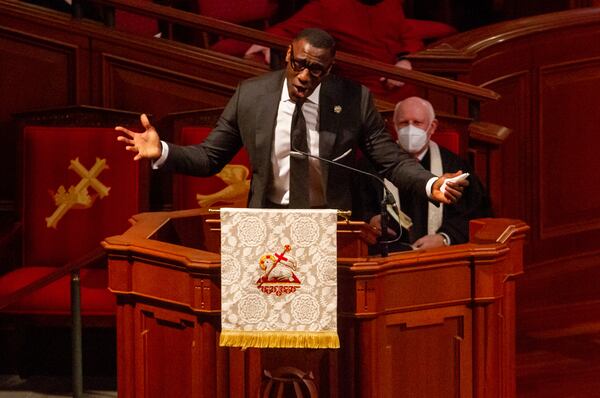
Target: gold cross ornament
[78,197]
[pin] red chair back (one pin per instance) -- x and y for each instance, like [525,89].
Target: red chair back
[78,187]
[449,139]
[186,188]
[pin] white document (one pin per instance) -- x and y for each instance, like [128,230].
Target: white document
[453,179]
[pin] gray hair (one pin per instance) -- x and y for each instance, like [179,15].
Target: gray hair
[420,101]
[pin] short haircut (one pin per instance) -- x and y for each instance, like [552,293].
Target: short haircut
[317,38]
[423,102]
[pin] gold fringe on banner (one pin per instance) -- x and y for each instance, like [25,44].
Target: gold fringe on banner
[271,339]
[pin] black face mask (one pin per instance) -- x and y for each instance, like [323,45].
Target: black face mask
[370,2]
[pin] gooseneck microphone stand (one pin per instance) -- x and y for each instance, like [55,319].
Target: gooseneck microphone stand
[388,198]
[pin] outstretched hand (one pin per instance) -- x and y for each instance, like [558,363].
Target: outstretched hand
[146,145]
[453,190]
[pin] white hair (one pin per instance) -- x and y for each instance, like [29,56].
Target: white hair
[421,101]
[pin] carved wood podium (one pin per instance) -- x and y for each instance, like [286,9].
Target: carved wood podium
[437,323]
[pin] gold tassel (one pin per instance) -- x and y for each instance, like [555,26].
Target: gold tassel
[270,339]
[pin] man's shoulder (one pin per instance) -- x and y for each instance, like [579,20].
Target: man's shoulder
[264,83]
[273,79]
[338,81]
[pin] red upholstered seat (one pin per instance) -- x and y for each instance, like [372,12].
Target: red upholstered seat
[78,187]
[54,299]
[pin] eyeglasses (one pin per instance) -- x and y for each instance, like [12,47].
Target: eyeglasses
[298,65]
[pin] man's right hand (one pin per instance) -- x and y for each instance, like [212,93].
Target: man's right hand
[146,145]
[454,190]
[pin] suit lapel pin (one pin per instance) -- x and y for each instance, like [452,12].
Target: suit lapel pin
[337,109]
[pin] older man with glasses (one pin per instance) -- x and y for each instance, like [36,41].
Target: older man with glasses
[301,109]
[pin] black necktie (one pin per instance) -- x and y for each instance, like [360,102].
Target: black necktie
[299,196]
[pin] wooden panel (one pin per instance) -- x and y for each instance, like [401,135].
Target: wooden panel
[161,76]
[165,350]
[568,148]
[507,70]
[24,56]
[568,217]
[128,85]
[36,72]
[428,358]
[421,287]
[174,287]
[168,344]
[512,110]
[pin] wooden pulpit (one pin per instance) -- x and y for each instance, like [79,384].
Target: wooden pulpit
[436,323]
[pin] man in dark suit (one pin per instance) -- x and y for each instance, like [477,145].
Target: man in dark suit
[433,226]
[335,115]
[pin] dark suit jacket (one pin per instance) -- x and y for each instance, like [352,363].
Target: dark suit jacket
[347,119]
[455,218]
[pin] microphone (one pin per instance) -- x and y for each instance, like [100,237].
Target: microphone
[387,201]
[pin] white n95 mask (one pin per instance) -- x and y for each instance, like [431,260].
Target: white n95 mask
[412,138]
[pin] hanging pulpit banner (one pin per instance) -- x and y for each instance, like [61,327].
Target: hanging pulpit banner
[279,278]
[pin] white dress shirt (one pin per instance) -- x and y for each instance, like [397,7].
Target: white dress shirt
[279,190]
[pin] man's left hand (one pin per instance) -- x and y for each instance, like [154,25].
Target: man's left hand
[429,242]
[453,190]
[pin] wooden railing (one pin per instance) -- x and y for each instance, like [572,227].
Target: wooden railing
[468,44]
[202,23]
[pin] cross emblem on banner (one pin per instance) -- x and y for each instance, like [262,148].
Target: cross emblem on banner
[78,197]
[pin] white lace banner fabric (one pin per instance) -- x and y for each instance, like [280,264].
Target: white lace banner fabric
[279,278]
